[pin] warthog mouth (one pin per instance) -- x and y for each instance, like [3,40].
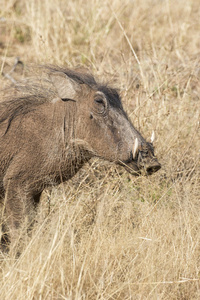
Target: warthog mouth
[134,168]
[131,167]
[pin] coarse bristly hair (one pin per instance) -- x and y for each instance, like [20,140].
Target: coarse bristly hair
[29,93]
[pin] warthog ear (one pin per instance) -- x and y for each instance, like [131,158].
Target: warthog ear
[66,88]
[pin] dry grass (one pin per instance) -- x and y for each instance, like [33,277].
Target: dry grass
[106,234]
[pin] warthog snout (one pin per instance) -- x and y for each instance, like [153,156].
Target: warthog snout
[143,158]
[153,167]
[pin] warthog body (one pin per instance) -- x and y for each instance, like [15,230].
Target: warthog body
[50,127]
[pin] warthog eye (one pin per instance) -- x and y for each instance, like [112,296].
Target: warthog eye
[100,104]
[100,101]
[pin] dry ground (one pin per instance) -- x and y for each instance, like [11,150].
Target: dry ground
[106,234]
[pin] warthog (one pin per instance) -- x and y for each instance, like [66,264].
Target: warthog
[50,127]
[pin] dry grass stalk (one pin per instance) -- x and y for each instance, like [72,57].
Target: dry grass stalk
[106,234]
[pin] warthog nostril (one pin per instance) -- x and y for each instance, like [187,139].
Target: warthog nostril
[153,169]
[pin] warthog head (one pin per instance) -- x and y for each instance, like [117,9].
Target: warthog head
[102,127]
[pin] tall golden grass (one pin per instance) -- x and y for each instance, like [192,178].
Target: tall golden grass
[106,234]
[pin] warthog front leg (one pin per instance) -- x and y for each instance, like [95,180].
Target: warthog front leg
[20,209]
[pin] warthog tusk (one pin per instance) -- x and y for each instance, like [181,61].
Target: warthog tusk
[135,149]
[152,137]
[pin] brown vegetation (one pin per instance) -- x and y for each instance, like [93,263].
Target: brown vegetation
[106,234]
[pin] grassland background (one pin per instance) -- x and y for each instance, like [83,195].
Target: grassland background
[106,234]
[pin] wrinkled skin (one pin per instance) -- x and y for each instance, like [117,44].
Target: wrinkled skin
[48,133]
